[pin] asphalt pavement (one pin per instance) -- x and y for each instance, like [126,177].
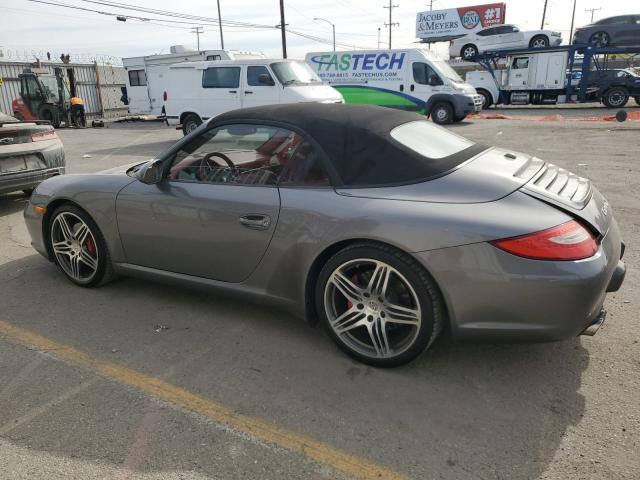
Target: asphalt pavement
[143,380]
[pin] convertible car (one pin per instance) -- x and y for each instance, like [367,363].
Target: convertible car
[380,225]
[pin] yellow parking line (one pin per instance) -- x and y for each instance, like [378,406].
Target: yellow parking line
[257,428]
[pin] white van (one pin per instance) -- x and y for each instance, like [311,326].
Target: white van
[411,79]
[197,91]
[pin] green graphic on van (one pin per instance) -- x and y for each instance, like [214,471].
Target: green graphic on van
[379,96]
[354,61]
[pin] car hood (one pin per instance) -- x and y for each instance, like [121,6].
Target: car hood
[122,169]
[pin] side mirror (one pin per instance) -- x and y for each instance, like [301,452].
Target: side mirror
[151,173]
[265,79]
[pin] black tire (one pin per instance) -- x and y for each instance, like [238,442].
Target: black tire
[104,272]
[459,119]
[427,294]
[539,41]
[487,99]
[616,97]
[468,51]
[600,39]
[190,123]
[442,113]
[637,99]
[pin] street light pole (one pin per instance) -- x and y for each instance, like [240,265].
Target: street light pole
[220,24]
[333,27]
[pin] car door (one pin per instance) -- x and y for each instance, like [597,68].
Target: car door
[426,81]
[512,37]
[220,90]
[215,211]
[491,39]
[260,87]
[628,31]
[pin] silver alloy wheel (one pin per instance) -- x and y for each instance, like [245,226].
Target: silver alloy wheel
[469,52]
[372,308]
[617,99]
[74,246]
[539,43]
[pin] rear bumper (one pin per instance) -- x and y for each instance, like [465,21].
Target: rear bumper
[12,182]
[495,296]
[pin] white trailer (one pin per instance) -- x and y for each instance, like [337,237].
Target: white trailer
[537,78]
[146,76]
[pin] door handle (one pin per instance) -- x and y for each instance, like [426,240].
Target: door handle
[233,91]
[255,221]
[402,88]
[412,87]
[247,92]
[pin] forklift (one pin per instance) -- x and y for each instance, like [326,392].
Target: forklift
[45,96]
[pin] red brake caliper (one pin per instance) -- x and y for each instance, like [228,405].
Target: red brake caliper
[91,246]
[354,279]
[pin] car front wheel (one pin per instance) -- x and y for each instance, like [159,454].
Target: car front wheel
[442,113]
[615,97]
[539,41]
[78,247]
[378,304]
[469,51]
[600,40]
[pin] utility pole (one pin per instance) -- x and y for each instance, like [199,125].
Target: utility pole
[592,10]
[544,13]
[282,30]
[197,31]
[390,24]
[220,24]
[573,17]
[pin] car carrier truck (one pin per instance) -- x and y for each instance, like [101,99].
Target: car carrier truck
[551,75]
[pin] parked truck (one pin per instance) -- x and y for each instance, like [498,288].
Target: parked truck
[552,75]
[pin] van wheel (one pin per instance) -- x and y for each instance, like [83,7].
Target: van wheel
[190,123]
[487,100]
[459,119]
[442,113]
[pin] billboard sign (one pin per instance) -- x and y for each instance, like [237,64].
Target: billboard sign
[440,25]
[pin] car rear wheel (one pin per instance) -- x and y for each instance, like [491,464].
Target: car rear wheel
[615,97]
[190,123]
[539,41]
[637,99]
[487,100]
[378,304]
[600,40]
[442,113]
[78,247]
[469,51]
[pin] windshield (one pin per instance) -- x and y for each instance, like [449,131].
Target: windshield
[428,140]
[446,70]
[50,87]
[290,73]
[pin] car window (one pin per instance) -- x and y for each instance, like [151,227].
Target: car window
[253,76]
[504,29]
[422,137]
[520,63]
[423,73]
[137,78]
[245,154]
[221,77]
[613,20]
[487,32]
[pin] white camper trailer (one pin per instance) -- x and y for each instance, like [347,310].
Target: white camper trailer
[146,76]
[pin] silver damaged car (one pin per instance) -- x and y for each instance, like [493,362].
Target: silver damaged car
[383,227]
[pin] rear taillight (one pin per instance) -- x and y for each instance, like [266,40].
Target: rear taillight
[164,96]
[48,134]
[568,241]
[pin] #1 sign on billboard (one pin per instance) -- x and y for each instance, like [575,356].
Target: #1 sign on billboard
[453,22]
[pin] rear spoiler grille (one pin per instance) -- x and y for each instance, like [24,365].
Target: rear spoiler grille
[556,183]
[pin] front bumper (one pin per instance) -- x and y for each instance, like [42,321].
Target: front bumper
[466,104]
[495,296]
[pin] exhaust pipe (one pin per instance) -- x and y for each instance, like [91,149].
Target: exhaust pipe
[595,326]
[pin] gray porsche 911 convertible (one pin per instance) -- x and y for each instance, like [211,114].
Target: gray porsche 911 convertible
[380,225]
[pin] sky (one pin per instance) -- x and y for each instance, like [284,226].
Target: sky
[28,29]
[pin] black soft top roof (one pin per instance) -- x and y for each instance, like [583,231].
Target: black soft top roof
[357,140]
